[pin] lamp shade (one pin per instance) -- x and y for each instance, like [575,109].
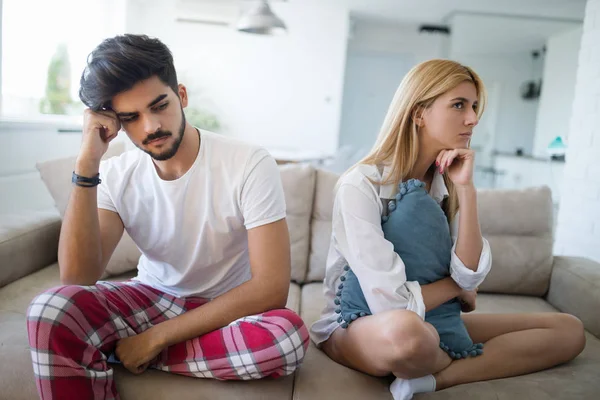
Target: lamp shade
[261,20]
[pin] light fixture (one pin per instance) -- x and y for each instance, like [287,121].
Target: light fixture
[261,20]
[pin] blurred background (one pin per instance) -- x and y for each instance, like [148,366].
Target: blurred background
[311,80]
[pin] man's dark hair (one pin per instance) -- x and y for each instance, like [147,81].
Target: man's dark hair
[118,63]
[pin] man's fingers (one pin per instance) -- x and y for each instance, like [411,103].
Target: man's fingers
[143,367]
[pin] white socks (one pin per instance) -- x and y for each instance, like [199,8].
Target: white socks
[403,389]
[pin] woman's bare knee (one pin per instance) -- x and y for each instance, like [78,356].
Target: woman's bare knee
[384,343]
[572,335]
[410,340]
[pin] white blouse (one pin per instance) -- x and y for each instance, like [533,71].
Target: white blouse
[357,240]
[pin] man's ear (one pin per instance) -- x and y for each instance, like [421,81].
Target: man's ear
[183,97]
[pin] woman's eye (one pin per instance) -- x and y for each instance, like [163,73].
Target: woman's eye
[458,105]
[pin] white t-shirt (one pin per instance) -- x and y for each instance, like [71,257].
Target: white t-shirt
[357,240]
[192,231]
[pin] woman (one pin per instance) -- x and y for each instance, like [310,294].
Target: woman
[425,136]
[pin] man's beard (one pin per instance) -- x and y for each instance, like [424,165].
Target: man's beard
[165,155]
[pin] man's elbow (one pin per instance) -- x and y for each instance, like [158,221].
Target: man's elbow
[277,299]
[280,303]
[76,280]
[71,276]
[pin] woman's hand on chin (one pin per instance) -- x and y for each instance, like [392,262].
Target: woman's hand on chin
[458,164]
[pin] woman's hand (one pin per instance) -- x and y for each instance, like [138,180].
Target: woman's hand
[458,164]
[468,299]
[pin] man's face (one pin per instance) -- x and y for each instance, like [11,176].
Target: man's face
[152,116]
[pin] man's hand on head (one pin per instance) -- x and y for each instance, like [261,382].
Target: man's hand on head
[99,129]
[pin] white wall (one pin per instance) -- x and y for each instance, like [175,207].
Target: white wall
[281,92]
[26,143]
[515,117]
[558,89]
[525,172]
[386,38]
[379,55]
[499,48]
[578,231]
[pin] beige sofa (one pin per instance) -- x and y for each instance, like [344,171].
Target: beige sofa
[525,278]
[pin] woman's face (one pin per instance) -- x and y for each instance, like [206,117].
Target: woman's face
[448,123]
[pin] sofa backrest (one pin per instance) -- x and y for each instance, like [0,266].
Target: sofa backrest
[320,227]
[517,224]
[28,242]
[299,188]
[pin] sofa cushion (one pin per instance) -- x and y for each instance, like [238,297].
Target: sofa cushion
[298,185]
[158,385]
[56,175]
[16,377]
[28,242]
[575,288]
[520,265]
[320,235]
[574,380]
[522,212]
[518,225]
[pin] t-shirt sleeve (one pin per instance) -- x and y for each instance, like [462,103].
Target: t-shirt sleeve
[104,198]
[262,200]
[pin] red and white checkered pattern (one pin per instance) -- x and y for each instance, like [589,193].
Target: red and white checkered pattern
[73,330]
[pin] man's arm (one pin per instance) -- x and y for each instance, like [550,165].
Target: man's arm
[270,263]
[88,235]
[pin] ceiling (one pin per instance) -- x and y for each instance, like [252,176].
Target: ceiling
[433,11]
[439,11]
[436,11]
[478,26]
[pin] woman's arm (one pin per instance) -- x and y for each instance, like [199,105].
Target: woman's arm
[471,255]
[437,293]
[469,242]
[381,272]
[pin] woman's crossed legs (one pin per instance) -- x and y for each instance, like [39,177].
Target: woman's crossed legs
[399,342]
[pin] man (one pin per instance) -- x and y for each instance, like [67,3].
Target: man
[208,215]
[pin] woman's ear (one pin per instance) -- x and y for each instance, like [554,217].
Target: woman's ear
[417,116]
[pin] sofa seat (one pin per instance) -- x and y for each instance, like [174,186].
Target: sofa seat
[16,372]
[578,379]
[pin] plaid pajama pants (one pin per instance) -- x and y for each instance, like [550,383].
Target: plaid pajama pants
[74,329]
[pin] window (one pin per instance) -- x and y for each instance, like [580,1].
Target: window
[45,45]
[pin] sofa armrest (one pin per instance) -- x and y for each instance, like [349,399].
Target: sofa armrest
[28,242]
[575,289]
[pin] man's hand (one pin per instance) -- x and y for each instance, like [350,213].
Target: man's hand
[99,129]
[136,352]
[467,300]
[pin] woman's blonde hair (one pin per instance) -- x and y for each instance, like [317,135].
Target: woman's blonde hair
[398,142]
